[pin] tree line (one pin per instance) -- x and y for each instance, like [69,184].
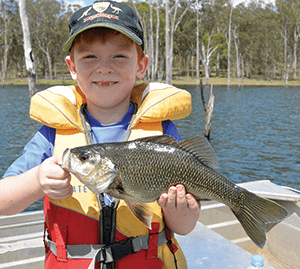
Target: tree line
[182,38]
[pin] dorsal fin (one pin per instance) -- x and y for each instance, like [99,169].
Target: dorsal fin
[197,146]
[200,148]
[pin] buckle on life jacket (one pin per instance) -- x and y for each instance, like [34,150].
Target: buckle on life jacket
[114,252]
[119,250]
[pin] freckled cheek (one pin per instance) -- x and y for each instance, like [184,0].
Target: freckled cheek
[127,70]
[84,71]
[83,67]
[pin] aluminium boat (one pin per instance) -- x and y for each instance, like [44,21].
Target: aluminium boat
[218,241]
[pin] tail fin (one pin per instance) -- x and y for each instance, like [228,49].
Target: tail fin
[255,213]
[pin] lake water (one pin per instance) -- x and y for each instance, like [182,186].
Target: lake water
[255,131]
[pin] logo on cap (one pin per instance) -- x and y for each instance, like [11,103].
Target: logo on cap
[100,8]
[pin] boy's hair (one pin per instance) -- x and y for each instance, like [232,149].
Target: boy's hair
[101,34]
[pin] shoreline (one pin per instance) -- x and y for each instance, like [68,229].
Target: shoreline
[234,82]
[176,81]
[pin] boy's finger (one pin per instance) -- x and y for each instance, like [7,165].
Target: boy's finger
[57,159]
[67,192]
[62,193]
[172,195]
[193,204]
[181,199]
[61,174]
[62,183]
[162,200]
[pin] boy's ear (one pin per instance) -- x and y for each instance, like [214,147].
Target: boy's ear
[142,67]
[72,68]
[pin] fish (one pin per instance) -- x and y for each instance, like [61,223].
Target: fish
[139,171]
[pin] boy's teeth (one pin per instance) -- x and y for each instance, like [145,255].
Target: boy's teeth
[105,84]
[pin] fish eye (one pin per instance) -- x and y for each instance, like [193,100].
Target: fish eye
[84,156]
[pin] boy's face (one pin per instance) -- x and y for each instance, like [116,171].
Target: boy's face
[106,71]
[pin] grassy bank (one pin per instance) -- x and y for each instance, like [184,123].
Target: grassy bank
[234,82]
[177,81]
[41,82]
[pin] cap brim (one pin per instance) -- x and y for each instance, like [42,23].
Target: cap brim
[67,46]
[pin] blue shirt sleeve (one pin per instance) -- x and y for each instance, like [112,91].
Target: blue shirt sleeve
[169,128]
[39,148]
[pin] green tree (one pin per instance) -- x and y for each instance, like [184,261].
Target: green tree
[7,12]
[45,21]
[285,9]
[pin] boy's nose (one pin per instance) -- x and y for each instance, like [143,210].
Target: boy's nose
[105,70]
[104,67]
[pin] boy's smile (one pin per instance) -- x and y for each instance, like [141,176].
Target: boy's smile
[106,73]
[105,83]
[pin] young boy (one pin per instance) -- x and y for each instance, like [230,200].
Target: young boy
[106,57]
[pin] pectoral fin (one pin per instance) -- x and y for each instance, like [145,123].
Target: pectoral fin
[143,212]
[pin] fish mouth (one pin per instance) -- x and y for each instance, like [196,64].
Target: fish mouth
[66,159]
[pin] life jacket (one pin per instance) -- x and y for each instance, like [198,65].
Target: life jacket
[72,224]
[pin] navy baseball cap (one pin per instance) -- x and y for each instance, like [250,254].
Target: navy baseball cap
[110,14]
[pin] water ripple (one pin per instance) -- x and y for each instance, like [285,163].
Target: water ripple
[255,132]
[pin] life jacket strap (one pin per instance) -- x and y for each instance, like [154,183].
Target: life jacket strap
[108,254]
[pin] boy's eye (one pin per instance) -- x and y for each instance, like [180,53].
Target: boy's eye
[119,56]
[88,56]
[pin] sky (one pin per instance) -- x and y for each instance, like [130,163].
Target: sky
[236,2]
[89,2]
[83,2]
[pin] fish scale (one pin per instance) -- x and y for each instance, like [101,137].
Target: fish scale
[140,171]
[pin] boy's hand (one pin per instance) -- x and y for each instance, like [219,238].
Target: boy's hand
[181,210]
[55,181]
[177,199]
